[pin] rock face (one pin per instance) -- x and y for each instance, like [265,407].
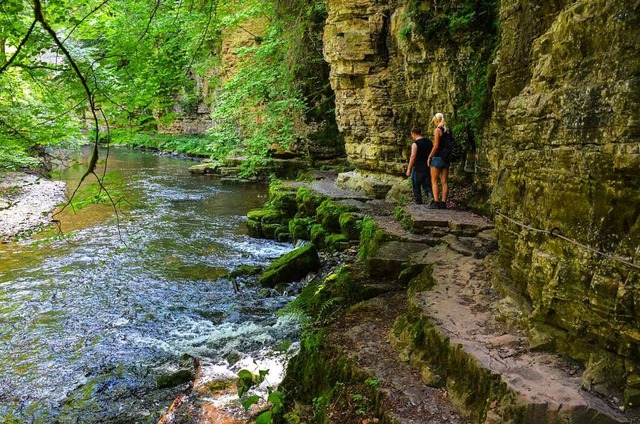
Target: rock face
[557,139]
[563,144]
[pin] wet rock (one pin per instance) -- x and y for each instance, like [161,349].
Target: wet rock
[244,271]
[175,379]
[291,267]
[205,168]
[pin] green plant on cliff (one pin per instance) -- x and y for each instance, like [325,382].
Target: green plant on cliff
[468,30]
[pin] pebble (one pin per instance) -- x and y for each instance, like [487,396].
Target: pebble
[32,201]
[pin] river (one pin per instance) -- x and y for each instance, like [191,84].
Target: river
[90,320]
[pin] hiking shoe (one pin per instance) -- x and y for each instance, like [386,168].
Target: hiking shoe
[434,205]
[443,205]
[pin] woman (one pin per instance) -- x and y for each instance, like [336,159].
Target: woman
[439,167]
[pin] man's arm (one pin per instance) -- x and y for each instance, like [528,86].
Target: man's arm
[412,160]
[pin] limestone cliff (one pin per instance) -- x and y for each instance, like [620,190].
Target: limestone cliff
[554,113]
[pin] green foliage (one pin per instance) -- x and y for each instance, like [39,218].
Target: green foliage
[320,299]
[369,237]
[141,60]
[247,380]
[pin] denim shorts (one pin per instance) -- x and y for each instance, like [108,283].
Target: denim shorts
[438,163]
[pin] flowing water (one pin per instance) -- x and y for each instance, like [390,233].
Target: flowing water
[89,321]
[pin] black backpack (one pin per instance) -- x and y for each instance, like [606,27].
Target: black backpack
[451,151]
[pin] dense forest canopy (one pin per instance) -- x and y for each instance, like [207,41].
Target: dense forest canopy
[79,71]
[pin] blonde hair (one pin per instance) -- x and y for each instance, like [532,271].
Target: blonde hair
[438,120]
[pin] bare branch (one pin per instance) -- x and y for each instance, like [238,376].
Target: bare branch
[22,43]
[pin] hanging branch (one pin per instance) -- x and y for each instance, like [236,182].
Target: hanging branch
[22,43]
[212,14]
[16,132]
[83,19]
[95,153]
[153,14]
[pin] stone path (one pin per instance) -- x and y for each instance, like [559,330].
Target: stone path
[462,307]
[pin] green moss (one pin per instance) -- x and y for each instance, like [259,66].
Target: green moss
[175,379]
[328,381]
[255,228]
[336,242]
[370,237]
[328,214]
[349,225]
[308,201]
[299,228]
[269,230]
[245,270]
[317,234]
[283,199]
[291,266]
[265,215]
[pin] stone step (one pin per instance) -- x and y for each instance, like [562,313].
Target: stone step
[391,257]
[424,220]
[488,367]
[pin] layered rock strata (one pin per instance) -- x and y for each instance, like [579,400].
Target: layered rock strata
[559,151]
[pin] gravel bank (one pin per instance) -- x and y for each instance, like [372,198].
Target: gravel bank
[27,202]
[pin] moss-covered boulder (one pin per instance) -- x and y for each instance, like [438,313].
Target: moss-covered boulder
[308,201]
[175,379]
[282,197]
[349,225]
[245,270]
[328,214]
[317,234]
[291,266]
[336,242]
[299,228]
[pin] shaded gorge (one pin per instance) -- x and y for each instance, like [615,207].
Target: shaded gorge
[92,320]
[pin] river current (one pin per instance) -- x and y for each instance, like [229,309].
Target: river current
[91,319]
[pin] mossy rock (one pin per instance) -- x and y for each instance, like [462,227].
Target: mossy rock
[299,228]
[282,233]
[336,242]
[244,271]
[308,201]
[265,215]
[284,201]
[175,379]
[328,214]
[349,225]
[269,230]
[291,266]
[255,228]
[317,234]
[283,237]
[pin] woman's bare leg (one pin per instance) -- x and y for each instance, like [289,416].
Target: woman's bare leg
[444,179]
[434,183]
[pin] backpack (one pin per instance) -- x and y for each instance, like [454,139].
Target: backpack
[451,151]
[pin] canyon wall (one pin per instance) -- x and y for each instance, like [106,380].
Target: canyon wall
[551,113]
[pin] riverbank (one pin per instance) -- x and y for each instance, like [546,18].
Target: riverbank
[27,202]
[413,330]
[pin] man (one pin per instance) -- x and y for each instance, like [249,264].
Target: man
[418,168]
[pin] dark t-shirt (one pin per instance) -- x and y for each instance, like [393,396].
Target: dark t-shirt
[424,148]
